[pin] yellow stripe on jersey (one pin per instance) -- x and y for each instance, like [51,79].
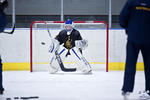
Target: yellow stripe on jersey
[142,8]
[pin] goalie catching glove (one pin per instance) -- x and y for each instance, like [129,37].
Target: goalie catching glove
[81,44]
[54,46]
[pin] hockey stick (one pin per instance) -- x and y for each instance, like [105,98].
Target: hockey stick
[59,58]
[62,65]
[11,32]
[32,97]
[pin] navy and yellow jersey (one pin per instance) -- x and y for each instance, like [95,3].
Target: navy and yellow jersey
[3,20]
[135,18]
[68,40]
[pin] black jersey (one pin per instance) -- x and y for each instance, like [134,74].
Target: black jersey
[68,40]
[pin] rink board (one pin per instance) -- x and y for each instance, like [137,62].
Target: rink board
[15,50]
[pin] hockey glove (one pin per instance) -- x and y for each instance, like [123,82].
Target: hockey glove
[81,44]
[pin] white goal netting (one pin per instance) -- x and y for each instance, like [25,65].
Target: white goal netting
[96,32]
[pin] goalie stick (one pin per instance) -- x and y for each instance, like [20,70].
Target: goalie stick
[58,58]
[31,97]
[62,65]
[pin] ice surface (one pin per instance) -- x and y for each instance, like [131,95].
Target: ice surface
[68,86]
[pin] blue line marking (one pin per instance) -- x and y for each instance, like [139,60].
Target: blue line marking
[76,54]
[62,51]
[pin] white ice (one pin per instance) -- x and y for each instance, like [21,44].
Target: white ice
[68,86]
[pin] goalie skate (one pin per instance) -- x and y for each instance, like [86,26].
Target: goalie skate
[53,70]
[87,70]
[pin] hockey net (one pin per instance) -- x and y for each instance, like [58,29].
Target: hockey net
[96,32]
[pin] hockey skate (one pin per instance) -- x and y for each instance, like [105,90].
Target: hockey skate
[87,70]
[144,95]
[53,69]
[125,95]
[1,92]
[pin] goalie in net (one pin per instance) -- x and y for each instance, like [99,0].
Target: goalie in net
[73,44]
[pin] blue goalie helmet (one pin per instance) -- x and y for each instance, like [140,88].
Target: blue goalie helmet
[68,22]
[68,25]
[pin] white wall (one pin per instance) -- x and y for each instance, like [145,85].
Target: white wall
[15,47]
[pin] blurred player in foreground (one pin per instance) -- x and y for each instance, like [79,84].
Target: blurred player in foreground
[3,22]
[135,19]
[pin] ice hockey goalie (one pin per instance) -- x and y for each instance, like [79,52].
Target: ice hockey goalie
[73,44]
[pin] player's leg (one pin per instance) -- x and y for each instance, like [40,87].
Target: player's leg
[146,57]
[1,78]
[81,45]
[86,67]
[54,66]
[130,67]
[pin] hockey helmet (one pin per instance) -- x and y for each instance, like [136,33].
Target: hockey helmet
[68,24]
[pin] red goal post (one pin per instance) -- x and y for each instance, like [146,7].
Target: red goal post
[44,22]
